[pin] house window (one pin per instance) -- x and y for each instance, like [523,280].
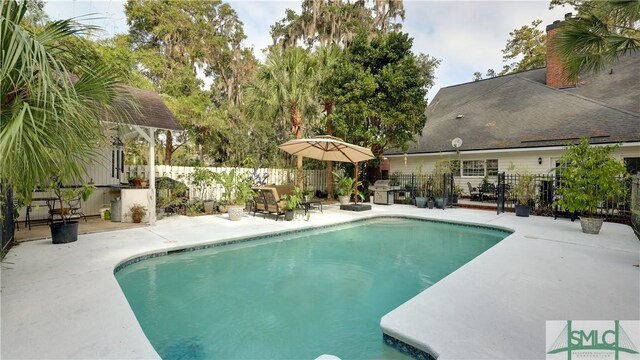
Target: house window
[473,168]
[633,165]
[492,167]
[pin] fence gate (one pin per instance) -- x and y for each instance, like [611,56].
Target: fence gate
[6,216]
[500,190]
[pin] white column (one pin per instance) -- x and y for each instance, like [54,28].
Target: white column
[152,177]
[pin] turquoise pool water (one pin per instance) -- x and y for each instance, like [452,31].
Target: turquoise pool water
[295,296]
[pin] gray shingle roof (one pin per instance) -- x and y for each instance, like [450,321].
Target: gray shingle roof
[617,85]
[152,110]
[518,111]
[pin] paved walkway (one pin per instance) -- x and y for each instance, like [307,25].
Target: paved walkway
[62,301]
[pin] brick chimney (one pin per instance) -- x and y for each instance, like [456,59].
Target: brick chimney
[556,76]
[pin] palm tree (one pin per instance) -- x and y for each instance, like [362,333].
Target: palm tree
[49,119]
[602,31]
[284,91]
[328,57]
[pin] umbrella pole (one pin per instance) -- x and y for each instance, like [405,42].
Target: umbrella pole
[355,185]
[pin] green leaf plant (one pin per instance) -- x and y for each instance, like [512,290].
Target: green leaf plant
[589,175]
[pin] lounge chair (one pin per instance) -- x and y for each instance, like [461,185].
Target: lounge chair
[272,205]
[473,192]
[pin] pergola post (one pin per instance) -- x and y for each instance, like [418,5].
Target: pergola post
[151,194]
[152,176]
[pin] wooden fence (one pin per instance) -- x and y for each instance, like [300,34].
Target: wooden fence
[314,180]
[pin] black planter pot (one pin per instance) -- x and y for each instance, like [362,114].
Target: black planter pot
[288,215]
[440,202]
[421,202]
[62,233]
[522,210]
[431,203]
[454,199]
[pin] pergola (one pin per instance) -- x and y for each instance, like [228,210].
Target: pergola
[150,115]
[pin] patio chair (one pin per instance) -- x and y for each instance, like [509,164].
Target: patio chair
[75,205]
[474,193]
[272,205]
[259,203]
[489,192]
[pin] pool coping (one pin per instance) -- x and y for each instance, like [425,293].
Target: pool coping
[82,273]
[238,240]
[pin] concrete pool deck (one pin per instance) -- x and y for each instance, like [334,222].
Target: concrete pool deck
[63,301]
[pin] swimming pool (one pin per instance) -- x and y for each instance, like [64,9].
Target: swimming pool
[297,295]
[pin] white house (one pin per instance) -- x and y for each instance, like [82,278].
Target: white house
[526,119]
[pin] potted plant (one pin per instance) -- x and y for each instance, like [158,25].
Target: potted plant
[194,207]
[136,180]
[291,203]
[235,192]
[524,190]
[201,180]
[345,187]
[457,193]
[441,168]
[64,117]
[421,187]
[589,174]
[137,213]
[66,230]
[431,202]
[306,194]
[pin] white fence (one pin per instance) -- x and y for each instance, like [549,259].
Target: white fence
[313,179]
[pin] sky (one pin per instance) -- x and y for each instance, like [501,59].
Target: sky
[467,36]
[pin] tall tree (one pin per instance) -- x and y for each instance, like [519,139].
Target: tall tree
[528,45]
[602,31]
[49,119]
[176,39]
[284,91]
[525,50]
[336,22]
[327,57]
[380,92]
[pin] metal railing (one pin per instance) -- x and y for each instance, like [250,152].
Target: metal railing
[6,217]
[412,185]
[614,208]
[502,193]
[635,204]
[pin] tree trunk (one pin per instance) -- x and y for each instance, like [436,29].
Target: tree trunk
[328,108]
[168,150]
[296,121]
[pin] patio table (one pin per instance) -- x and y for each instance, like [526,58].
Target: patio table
[307,205]
[48,201]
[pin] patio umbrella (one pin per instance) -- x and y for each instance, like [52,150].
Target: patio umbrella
[329,148]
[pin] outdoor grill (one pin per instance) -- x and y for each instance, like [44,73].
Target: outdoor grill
[383,192]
